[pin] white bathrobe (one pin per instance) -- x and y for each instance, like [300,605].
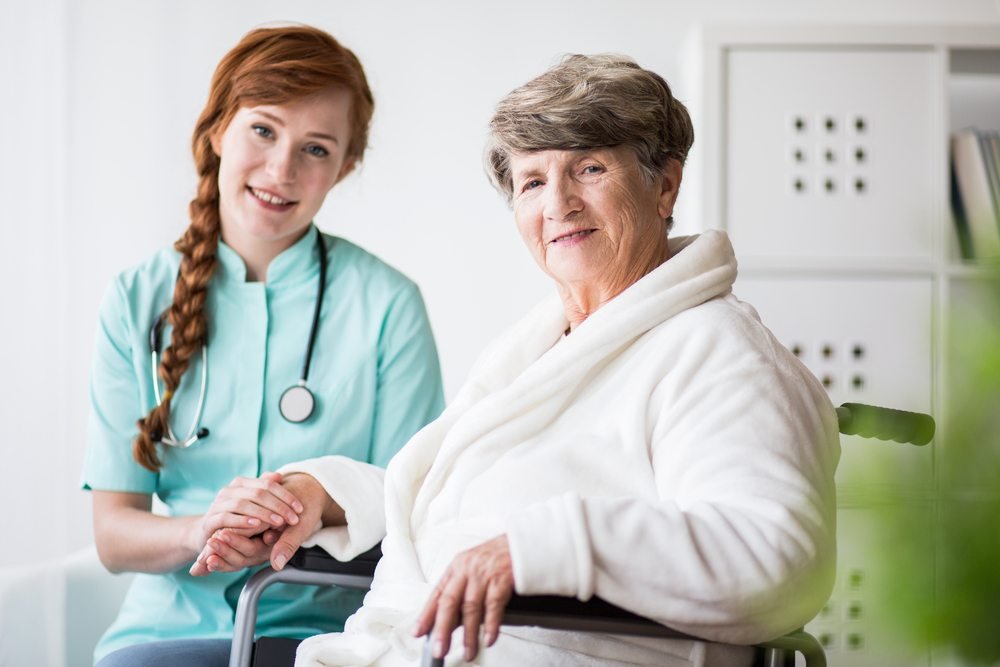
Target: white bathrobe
[669,456]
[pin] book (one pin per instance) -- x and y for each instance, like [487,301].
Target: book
[961,222]
[993,144]
[986,148]
[975,194]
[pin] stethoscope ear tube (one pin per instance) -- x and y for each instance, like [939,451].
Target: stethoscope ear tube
[194,433]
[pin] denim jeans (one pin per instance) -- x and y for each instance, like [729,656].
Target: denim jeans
[173,653]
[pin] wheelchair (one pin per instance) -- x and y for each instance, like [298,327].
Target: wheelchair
[315,567]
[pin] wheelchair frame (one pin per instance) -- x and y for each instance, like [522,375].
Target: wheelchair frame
[315,567]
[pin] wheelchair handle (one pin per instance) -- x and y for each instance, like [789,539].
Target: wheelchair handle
[870,421]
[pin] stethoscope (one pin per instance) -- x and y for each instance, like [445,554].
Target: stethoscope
[296,403]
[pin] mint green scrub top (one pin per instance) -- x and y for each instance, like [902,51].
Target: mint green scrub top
[374,373]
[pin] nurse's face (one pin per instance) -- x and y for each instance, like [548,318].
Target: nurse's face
[276,165]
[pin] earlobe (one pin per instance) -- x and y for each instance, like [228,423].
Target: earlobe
[670,184]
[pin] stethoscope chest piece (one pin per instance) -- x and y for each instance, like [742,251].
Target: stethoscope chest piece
[297,403]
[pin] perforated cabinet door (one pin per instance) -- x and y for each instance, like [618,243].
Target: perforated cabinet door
[868,341]
[875,579]
[829,153]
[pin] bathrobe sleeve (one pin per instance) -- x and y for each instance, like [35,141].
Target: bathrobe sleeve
[356,486]
[739,546]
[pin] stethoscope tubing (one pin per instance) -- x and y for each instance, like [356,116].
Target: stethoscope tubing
[320,292]
[195,433]
[192,436]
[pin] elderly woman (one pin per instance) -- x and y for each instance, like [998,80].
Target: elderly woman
[642,437]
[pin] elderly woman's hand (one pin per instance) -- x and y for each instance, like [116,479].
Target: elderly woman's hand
[474,590]
[319,510]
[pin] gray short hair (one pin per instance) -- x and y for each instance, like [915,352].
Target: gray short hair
[588,102]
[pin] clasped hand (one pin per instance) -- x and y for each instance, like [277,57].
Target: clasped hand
[252,521]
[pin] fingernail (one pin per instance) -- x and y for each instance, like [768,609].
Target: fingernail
[293,519]
[469,654]
[253,522]
[490,638]
[279,561]
[276,519]
[297,506]
[439,649]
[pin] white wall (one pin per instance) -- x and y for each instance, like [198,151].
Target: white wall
[38,389]
[98,99]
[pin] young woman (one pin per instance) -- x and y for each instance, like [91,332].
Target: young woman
[256,341]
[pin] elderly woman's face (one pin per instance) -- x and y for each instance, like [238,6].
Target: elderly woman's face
[589,217]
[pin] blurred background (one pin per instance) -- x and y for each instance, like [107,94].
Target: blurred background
[98,99]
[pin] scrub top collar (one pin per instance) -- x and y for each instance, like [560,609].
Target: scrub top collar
[298,263]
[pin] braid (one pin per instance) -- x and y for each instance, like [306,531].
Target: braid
[199,257]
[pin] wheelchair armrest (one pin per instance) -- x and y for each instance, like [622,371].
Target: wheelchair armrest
[316,560]
[597,615]
[311,566]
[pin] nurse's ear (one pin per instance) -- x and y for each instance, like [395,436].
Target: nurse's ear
[215,138]
[345,170]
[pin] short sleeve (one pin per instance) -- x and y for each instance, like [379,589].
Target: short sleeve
[410,392]
[115,403]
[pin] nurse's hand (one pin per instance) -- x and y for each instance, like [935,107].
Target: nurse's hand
[473,591]
[251,506]
[235,548]
[231,550]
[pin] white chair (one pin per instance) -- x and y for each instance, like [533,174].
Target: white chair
[52,613]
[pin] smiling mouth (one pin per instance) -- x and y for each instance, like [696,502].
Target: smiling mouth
[268,197]
[572,236]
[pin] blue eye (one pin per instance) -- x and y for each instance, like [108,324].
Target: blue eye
[592,169]
[262,130]
[532,184]
[317,150]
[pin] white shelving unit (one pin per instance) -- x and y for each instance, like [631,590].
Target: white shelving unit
[824,152]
